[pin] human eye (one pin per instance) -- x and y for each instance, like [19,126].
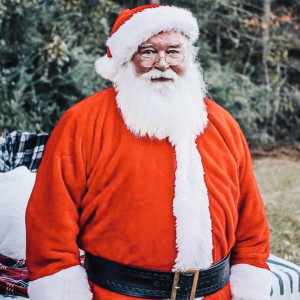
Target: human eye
[173,51]
[147,52]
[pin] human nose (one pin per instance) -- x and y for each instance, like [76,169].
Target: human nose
[161,63]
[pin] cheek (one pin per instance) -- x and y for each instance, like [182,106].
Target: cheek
[179,70]
[138,69]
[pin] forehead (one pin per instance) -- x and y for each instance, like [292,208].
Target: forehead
[165,38]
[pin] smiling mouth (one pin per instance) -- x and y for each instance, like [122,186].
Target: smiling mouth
[161,79]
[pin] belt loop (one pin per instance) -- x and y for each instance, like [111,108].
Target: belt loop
[195,282]
[175,286]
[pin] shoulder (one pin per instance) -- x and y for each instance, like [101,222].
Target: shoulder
[217,112]
[91,109]
[220,118]
[94,103]
[87,113]
[223,129]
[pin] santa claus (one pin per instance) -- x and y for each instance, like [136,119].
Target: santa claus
[151,179]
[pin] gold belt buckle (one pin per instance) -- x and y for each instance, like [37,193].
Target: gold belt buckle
[175,286]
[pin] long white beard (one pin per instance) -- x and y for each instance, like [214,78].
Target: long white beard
[162,109]
[175,110]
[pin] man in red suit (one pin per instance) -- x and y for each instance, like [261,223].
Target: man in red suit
[151,179]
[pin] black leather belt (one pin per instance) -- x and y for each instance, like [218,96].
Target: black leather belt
[152,284]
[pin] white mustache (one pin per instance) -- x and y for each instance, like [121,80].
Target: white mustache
[154,74]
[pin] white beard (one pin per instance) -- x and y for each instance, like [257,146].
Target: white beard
[175,110]
[162,109]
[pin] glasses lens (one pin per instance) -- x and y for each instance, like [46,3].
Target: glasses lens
[174,59]
[147,61]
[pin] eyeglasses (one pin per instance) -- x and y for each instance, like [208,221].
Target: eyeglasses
[149,60]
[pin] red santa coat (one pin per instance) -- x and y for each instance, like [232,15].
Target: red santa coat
[111,193]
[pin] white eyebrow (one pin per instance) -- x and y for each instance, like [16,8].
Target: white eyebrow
[175,46]
[169,46]
[145,45]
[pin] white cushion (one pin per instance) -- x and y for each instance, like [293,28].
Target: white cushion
[15,189]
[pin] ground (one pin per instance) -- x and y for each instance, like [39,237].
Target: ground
[283,151]
[277,170]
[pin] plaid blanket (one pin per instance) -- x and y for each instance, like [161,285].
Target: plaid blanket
[13,277]
[19,148]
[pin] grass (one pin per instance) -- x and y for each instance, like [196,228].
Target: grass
[279,184]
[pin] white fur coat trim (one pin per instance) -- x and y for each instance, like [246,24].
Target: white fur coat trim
[250,283]
[68,284]
[138,29]
[191,209]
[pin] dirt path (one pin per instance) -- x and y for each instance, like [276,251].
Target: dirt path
[283,152]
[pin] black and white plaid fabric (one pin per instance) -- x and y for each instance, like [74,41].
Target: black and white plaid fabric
[19,148]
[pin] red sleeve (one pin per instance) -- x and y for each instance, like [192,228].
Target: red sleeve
[53,209]
[252,231]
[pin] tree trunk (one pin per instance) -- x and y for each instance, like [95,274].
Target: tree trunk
[266,39]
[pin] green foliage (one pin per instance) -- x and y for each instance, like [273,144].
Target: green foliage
[241,98]
[48,49]
[250,59]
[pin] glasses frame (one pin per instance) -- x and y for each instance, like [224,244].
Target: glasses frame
[159,58]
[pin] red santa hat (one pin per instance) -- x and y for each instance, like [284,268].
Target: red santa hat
[135,26]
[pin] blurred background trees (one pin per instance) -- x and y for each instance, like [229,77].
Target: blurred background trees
[249,52]
[47,50]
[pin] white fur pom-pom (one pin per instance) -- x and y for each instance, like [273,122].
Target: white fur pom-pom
[106,67]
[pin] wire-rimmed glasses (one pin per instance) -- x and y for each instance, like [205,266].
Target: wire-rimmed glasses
[149,60]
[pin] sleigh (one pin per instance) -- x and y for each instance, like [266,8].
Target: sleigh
[20,156]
